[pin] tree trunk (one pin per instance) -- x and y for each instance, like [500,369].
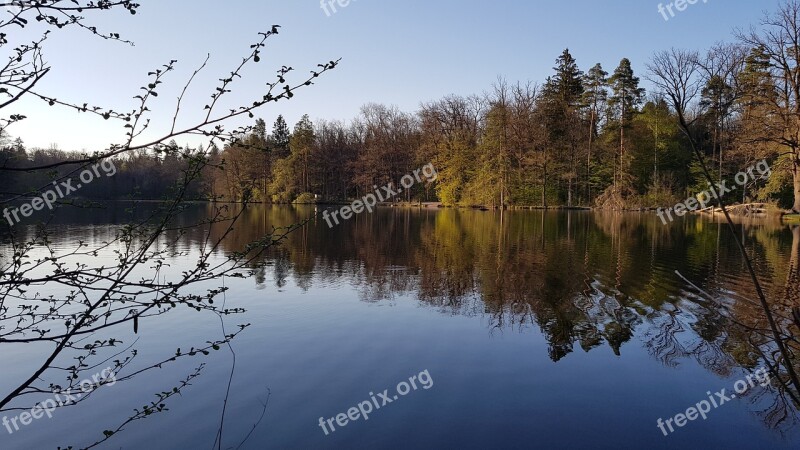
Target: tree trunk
[621,147]
[569,193]
[502,192]
[655,155]
[796,178]
[544,187]
[589,161]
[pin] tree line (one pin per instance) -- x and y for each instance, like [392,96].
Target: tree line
[580,138]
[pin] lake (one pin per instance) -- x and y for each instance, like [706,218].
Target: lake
[488,329]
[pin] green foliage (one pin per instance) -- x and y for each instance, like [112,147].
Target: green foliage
[285,186]
[279,141]
[779,187]
[660,192]
[566,85]
[582,139]
[306,198]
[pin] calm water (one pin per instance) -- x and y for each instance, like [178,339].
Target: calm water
[538,330]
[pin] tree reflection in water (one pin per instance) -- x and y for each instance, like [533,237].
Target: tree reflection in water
[585,278]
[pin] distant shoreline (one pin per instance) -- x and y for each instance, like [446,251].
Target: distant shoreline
[785,215]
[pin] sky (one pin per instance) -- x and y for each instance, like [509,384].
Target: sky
[400,53]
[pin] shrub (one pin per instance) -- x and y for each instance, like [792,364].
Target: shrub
[305,198]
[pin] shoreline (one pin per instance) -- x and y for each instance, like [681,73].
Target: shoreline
[766,211]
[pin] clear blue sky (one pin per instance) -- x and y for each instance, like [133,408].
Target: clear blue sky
[394,52]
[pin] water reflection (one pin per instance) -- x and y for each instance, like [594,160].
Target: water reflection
[586,280]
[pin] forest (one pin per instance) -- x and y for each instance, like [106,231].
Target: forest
[581,138]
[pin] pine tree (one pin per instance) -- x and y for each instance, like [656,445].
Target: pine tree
[260,129]
[594,98]
[561,100]
[567,83]
[626,96]
[280,138]
[19,147]
[717,98]
[301,144]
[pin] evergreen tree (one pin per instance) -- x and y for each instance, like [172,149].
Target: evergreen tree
[19,147]
[567,83]
[626,97]
[595,97]
[280,138]
[561,100]
[291,174]
[260,130]
[756,83]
